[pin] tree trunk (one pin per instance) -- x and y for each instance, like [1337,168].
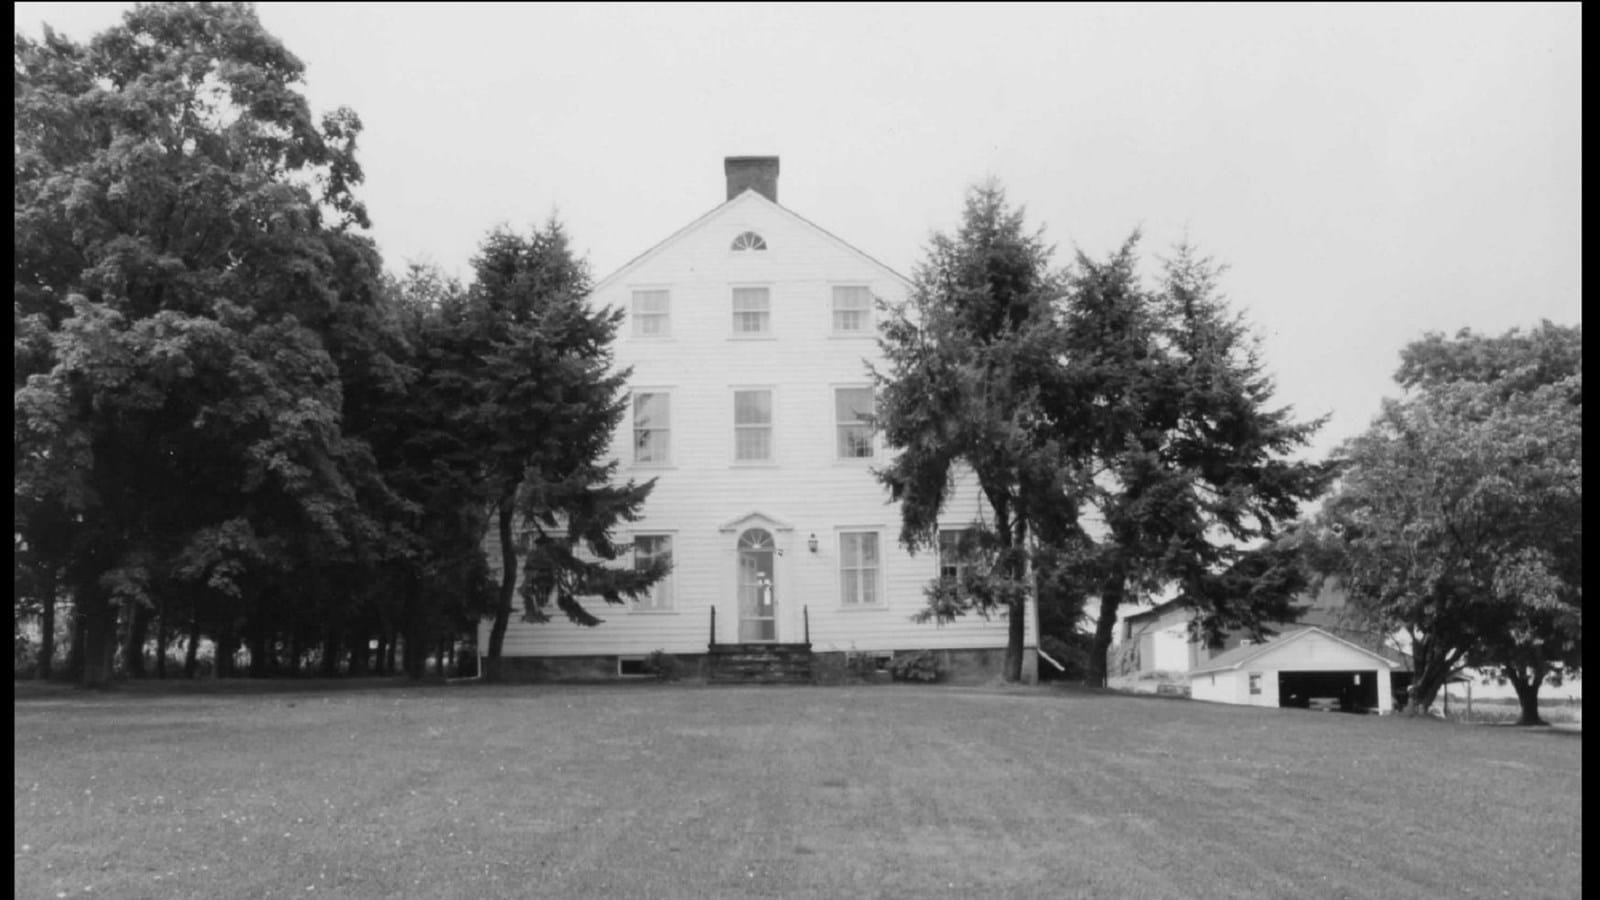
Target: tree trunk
[508,589]
[416,630]
[191,653]
[99,620]
[329,666]
[74,670]
[358,652]
[1431,668]
[415,659]
[47,625]
[1422,693]
[161,637]
[138,633]
[260,651]
[227,647]
[388,660]
[1527,695]
[1112,591]
[1015,635]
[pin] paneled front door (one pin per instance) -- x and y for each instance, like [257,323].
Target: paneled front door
[758,607]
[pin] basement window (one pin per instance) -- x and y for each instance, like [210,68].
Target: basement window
[631,667]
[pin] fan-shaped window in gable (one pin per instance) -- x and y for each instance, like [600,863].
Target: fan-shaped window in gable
[749,241]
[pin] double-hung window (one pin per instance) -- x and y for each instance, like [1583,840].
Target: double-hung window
[955,554]
[852,309]
[853,432]
[752,425]
[652,313]
[652,428]
[858,568]
[752,311]
[647,550]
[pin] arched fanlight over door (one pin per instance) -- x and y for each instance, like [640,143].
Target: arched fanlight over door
[749,240]
[757,539]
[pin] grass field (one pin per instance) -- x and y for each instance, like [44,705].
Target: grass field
[1507,712]
[691,791]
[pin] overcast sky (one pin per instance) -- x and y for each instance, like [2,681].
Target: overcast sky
[1368,173]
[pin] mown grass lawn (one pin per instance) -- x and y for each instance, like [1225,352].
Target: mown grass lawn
[690,791]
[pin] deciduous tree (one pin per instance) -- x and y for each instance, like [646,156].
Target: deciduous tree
[1460,520]
[189,284]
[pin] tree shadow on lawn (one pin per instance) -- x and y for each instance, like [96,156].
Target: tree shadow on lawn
[1561,729]
[29,690]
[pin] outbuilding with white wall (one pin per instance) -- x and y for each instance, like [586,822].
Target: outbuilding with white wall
[1297,669]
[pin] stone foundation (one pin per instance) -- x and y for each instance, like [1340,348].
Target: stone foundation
[528,669]
[978,666]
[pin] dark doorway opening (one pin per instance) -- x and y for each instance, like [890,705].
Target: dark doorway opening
[1346,691]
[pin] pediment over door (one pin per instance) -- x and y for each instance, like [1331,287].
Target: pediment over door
[755,519]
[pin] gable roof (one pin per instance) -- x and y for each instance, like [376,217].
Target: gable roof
[755,517]
[1238,656]
[1154,612]
[749,196]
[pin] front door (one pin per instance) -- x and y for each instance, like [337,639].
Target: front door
[757,591]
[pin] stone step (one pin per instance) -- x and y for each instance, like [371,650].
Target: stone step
[752,658]
[731,665]
[757,670]
[759,664]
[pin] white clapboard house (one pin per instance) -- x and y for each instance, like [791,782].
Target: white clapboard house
[748,332]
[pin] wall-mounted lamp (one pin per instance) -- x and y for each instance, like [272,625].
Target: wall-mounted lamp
[812,542]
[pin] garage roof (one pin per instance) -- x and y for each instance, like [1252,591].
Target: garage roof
[1238,656]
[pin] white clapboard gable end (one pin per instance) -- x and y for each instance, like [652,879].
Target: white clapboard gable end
[1295,669]
[749,333]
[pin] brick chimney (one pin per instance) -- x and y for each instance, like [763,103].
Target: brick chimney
[759,172]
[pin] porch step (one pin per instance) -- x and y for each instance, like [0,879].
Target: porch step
[759,664]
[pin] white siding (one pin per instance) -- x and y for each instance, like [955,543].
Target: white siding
[1310,651]
[1172,649]
[1216,687]
[805,490]
[1164,642]
[1268,685]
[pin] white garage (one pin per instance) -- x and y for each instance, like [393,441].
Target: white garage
[1298,668]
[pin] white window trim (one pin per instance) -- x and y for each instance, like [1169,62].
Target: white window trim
[839,533]
[871,329]
[772,427]
[671,608]
[633,429]
[736,335]
[633,313]
[833,429]
[938,561]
